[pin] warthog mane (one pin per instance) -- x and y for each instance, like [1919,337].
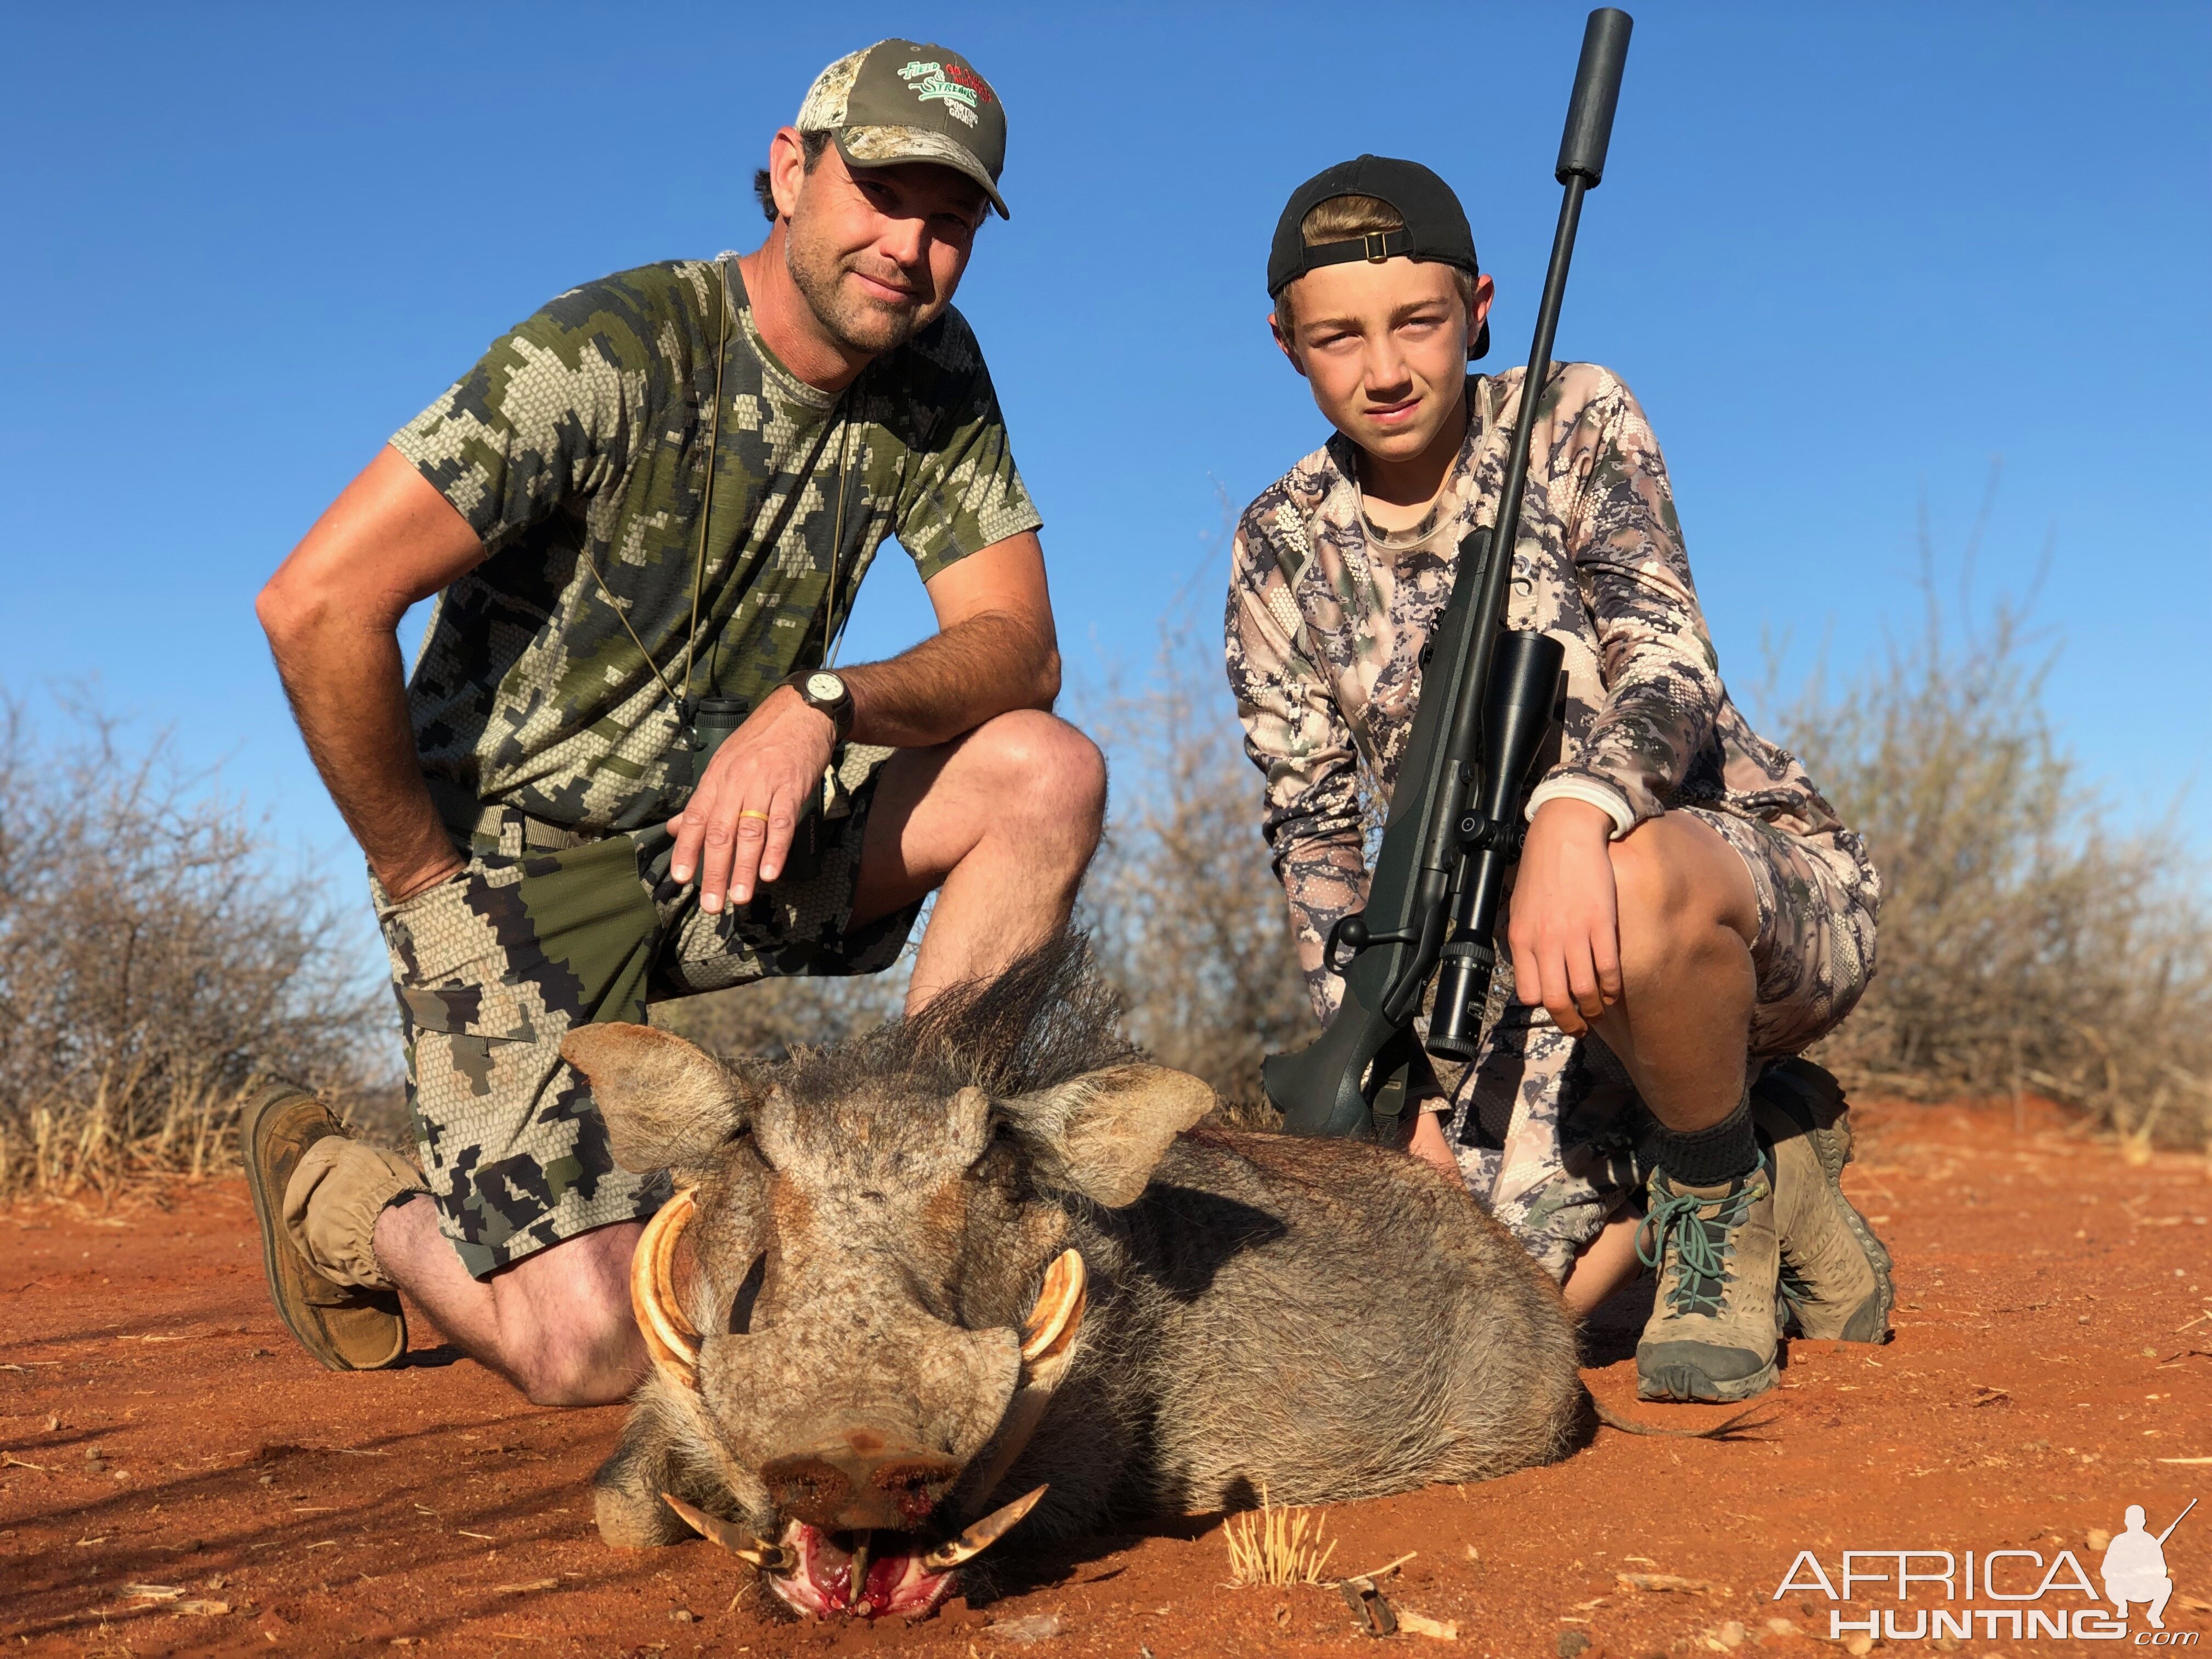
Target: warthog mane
[1048,1018]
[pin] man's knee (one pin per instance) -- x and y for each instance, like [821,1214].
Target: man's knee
[1043,770]
[587,1361]
[567,1334]
[568,1379]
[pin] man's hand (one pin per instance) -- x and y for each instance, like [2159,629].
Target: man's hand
[399,889]
[1565,926]
[736,828]
[994,651]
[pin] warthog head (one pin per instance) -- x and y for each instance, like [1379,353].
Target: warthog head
[862,1296]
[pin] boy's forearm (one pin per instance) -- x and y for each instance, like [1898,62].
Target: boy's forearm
[348,692]
[1324,880]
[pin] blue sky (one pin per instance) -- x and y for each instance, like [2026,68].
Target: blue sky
[1846,256]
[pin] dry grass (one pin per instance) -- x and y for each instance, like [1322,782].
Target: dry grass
[1272,1545]
[154,963]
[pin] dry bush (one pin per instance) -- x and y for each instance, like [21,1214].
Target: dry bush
[154,963]
[2025,944]
[1186,918]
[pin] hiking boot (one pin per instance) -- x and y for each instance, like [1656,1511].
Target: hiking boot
[1712,1330]
[1835,1274]
[350,1327]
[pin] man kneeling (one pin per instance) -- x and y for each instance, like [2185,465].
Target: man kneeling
[645,512]
[1685,894]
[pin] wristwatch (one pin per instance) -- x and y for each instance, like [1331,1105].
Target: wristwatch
[820,689]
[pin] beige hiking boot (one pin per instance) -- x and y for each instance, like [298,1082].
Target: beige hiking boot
[1712,1331]
[1835,1272]
[350,1327]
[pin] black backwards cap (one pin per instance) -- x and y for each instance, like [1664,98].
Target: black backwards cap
[1435,225]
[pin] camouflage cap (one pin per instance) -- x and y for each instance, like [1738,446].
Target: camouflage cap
[899,100]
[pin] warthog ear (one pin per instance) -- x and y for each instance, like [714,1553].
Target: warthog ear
[1104,1133]
[667,1104]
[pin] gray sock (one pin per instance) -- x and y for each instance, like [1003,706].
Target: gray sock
[1712,1156]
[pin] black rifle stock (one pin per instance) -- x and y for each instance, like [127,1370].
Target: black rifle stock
[1488,698]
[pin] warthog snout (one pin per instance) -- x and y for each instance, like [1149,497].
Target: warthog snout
[858,1482]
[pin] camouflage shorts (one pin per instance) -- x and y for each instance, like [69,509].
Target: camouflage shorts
[1546,1126]
[493,967]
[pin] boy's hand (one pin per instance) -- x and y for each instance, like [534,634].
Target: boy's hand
[1565,927]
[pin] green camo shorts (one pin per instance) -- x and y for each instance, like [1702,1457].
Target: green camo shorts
[495,966]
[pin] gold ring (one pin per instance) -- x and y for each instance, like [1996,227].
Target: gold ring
[754,812]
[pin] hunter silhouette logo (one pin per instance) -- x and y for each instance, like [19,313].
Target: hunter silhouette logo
[2135,1566]
[1929,1594]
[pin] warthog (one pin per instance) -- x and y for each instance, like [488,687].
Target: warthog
[981,1263]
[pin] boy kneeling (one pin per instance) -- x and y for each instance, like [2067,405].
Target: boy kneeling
[1685,894]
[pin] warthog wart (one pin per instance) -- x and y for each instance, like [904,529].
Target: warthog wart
[986,1263]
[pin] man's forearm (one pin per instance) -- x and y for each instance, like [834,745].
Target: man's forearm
[953,681]
[349,694]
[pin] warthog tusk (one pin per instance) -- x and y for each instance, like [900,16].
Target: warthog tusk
[670,1338]
[769,1558]
[1052,1323]
[984,1534]
[856,1570]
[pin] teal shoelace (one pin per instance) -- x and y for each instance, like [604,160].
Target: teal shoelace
[1702,1244]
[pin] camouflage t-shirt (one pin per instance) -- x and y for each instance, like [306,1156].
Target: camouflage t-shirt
[1327,621]
[581,440]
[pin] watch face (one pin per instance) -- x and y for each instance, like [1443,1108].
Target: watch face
[824,687]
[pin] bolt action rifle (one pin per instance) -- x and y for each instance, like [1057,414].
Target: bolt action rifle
[1489,697]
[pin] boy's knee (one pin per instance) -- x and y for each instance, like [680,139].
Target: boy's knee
[1667,920]
[1649,892]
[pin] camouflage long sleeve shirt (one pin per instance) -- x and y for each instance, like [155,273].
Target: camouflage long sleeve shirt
[1327,615]
[577,450]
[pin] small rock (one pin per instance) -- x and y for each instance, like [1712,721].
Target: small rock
[1730,1634]
[2098,1538]
[1861,1642]
[1781,1627]
[682,1616]
[1572,1642]
[1033,1627]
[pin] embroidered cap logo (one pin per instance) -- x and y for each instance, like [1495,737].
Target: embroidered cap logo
[958,89]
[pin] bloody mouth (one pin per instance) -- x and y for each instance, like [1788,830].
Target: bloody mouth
[857,1575]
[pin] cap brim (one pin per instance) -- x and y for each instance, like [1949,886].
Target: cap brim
[887,147]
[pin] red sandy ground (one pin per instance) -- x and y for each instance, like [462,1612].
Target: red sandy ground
[2045,1374]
